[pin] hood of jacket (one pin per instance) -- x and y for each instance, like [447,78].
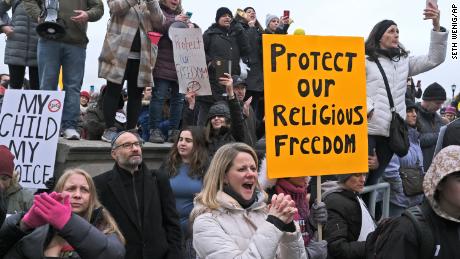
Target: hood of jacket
[216,29]
[265,182]
[14,188]
[445,163]
[331,187]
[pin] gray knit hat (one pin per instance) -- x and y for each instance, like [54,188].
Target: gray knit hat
[269,18]
[342,178]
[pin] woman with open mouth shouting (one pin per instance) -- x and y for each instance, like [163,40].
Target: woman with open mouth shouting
[231,218]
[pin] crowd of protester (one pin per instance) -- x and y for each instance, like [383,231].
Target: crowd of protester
[211,197]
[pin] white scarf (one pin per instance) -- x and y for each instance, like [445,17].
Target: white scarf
[367,223]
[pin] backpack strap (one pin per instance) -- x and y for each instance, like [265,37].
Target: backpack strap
[423,230]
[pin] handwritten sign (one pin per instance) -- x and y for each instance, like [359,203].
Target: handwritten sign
[29,126]
[190,60]
[315,105]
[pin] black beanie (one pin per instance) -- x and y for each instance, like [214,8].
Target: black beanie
[221,109]
[382,28]
[434,92]
[249,7]
[221,11]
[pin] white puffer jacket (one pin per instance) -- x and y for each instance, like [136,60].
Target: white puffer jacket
[234,232]
[397,73]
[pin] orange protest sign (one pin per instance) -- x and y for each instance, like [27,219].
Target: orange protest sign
[315,105]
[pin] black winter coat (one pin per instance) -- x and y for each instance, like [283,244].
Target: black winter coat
[403,243]
[255,79]
[3,207]
[87,240]
[160,235]
[452,134]
[343,226]
[231,44]
[279,30]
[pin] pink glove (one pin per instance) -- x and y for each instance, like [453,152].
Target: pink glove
[53,211]
[32,219]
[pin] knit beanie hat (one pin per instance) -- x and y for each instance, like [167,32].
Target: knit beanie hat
[434,92]
[84,94]
[221,11]
[382,28]
[6,161]
[269,18]
[219,109]
[451,110]
[239,82]
[342,178]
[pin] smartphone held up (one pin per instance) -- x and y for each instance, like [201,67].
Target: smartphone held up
[286,13]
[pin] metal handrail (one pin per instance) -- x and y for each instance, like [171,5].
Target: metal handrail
[374,191]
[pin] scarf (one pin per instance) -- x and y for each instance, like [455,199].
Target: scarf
[393,53]
[244,203]
[299,196]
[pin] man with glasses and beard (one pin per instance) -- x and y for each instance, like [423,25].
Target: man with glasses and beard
[141,201]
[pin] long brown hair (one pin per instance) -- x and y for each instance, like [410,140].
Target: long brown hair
[107,225]
[199,157]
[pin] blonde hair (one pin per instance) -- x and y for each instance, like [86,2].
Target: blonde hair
[214,177]
[107,224]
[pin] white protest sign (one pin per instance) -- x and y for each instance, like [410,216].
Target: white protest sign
[29,127]
[190,60]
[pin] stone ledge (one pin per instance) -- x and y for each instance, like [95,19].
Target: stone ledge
[94,156]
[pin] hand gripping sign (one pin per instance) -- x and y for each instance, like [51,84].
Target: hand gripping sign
[29,127]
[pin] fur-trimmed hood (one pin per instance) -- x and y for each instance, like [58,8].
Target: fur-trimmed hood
[264,181]
[446,162]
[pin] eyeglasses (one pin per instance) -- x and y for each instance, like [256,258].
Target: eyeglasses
[129,145]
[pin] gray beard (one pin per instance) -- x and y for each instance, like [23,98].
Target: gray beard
[131,165]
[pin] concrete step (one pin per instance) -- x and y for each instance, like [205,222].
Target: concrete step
[94,156]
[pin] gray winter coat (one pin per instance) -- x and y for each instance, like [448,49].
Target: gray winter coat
[21,46]
[87,240]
